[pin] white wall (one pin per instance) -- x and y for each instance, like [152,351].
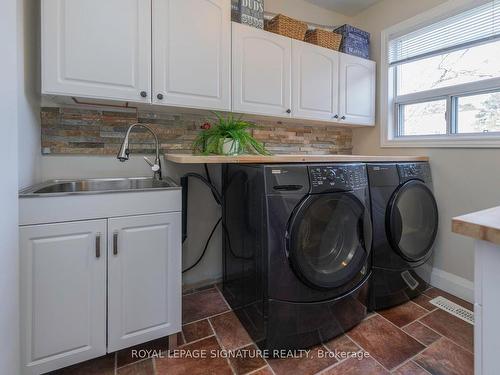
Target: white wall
[9,267]
[28,92]
[305,11]
[465,180]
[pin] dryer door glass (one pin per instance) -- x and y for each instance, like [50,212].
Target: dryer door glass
[412,220]
[326,242]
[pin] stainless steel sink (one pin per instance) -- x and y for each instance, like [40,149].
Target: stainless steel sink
[95,186]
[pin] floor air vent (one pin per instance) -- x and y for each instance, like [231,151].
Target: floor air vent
[453,309]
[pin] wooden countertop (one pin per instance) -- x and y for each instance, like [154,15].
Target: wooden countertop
[259,159]
[482,225]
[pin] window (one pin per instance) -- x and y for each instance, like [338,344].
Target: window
[443,79]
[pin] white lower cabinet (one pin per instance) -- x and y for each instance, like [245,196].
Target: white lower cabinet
[64,294]
[144,279]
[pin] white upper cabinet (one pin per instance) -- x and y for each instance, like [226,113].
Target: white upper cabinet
[144,278]
[188,53]
[357,90]
[192,53]
[261,72]
[63,294]
[314,82]
[97,49]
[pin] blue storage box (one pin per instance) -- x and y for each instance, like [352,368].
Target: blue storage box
[354,41]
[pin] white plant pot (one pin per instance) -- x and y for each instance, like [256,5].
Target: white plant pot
[230,147]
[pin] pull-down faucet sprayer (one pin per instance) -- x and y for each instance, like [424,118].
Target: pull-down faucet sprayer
[123,154]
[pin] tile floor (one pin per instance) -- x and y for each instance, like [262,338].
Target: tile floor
[412,339]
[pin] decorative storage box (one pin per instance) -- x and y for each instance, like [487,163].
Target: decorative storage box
[287,26]
[324,38]
[249,12]
[354,41]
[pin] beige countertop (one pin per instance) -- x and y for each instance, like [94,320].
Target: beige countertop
[482,225]
[260,159]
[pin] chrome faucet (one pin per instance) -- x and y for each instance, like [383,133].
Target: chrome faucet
[123,154]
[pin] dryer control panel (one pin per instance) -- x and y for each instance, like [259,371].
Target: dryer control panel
[337,177]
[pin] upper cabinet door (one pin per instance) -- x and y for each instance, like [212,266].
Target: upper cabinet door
[315,74]
[63,294]
[97,49]
[144,278]
[357,90]
[261,71]
[192,53]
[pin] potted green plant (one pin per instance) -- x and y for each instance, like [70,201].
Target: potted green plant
[228,136]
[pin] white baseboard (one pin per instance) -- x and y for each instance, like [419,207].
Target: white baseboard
[456,285]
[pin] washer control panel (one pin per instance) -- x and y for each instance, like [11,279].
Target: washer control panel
[337,177]
[409,171]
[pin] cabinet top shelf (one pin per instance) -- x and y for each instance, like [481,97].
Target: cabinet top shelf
[482,225]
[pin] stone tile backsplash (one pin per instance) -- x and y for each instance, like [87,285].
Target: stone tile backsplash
[70,130]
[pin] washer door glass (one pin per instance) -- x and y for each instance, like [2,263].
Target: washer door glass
[412,220]
[326,239]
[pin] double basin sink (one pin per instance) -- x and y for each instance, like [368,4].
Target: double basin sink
[95,186]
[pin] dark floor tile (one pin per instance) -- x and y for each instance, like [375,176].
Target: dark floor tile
[403,314]
[230,331]
[201,305]
[435,292]
[354,366]
[387,344]
[246,360]
[423,301]
[126,356]
[189,290]
[457,330]
[304,365]
[342,344]
[210,365]
[99,366]
[197,330]
[422,333]
[445,358]
[264,371]
[410,368]
[180,339]
[139,368]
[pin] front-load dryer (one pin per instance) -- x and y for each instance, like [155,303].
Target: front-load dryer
[296,250]
[405,224]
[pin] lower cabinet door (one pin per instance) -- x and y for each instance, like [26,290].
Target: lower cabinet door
[63,294]
[144,278]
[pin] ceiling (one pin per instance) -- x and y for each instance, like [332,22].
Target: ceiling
[346,7]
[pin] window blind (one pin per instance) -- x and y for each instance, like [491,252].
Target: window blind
[474,26]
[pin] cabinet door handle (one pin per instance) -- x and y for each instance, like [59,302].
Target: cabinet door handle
[115,243]
[98,245]
[342,118]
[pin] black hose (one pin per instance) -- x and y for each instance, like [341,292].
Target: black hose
[206,247]
[215,193]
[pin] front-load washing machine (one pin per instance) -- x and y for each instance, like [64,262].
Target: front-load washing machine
[296,250]
[405,224]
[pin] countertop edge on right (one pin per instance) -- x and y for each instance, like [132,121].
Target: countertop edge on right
[482,225]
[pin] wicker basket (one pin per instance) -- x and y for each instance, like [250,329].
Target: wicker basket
[323,38]
[287,26]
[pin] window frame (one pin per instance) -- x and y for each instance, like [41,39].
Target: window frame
[391,104]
